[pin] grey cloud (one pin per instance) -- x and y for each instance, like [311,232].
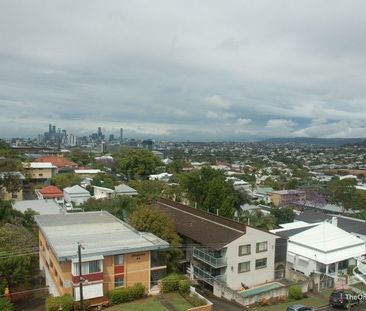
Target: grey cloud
[179,69]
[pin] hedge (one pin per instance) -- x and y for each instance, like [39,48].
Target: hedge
[5,305]
[121,295]
[195,301]
[66,302]
[171,283]
[184,287]
[295,292]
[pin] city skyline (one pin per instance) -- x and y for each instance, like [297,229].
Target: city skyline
[176,71]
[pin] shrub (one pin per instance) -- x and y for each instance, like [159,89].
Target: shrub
[127,294]
[195,301]
[5,305]
[65,302]
[264,302]
[77,305]
[295,292]
[171,283]
[184,287]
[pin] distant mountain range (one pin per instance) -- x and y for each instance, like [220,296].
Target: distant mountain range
[315,141]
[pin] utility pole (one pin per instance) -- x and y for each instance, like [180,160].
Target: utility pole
[81,279]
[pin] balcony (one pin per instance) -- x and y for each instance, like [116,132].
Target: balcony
[209,259]
[203,275]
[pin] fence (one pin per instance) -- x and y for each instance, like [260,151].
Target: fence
[221,290]
[206,307]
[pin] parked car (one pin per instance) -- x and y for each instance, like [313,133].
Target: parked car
[300,308]
[340,298]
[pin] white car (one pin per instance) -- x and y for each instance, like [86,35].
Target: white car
[68,206]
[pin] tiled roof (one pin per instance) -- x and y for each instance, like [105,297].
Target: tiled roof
[51,192]
[60,162]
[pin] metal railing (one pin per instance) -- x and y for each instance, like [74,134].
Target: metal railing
[209,259]
[203,275]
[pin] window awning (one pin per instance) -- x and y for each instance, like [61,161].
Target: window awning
[87,258]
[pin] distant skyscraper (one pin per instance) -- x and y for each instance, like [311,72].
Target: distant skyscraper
[54,129]
[121,136]
[49,128]
[100,132]
[111,137]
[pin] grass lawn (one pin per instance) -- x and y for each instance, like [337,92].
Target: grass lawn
[311,301]
[146,304]
[178,301]
[152,304]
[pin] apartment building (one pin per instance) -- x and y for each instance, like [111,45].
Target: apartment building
[114,254]
[284,197]
[217,248]
[40,171]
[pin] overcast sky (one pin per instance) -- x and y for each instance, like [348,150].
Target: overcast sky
[198,70]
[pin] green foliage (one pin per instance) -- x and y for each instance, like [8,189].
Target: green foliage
[343,192]
[120,206]
[149,219]
[295,292]
[148,190]
[9,215]
[64,303]
[136,163]
[5,305]
[17,261]
[121,295]
[11,182]
[195,301]
[283,215]
[81,157]
[257,219]
[64,180]
[207,187]
[171,283]
[105,180]
[184,287]
[5,149]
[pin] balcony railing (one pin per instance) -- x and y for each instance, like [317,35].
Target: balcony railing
[203,275]
[209,259]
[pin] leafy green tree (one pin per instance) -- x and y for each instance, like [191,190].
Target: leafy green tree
[5,150]
[136,163]
[64,180]
[5,305]
[257,219]
[81,157]
[150,219]
[283,215]
[343,192]
[17,254]
[120,206]
[208,189]
[105,180]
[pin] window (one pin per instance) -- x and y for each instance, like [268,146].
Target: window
[88,267]
[261,263]
[244,250]
[40,174]
[261,247]
[118,260]
[14,195]
[158,259]
[244,267]
[118,281]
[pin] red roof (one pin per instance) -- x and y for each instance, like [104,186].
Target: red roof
[50,192]
[58,161]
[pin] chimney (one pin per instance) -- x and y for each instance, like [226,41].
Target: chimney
[335,221]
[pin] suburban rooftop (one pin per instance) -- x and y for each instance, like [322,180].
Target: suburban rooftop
[99,232]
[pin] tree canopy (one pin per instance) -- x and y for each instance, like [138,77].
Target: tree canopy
[136,163]
[17,254]
[209,190]
[150,219]
[64,180]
